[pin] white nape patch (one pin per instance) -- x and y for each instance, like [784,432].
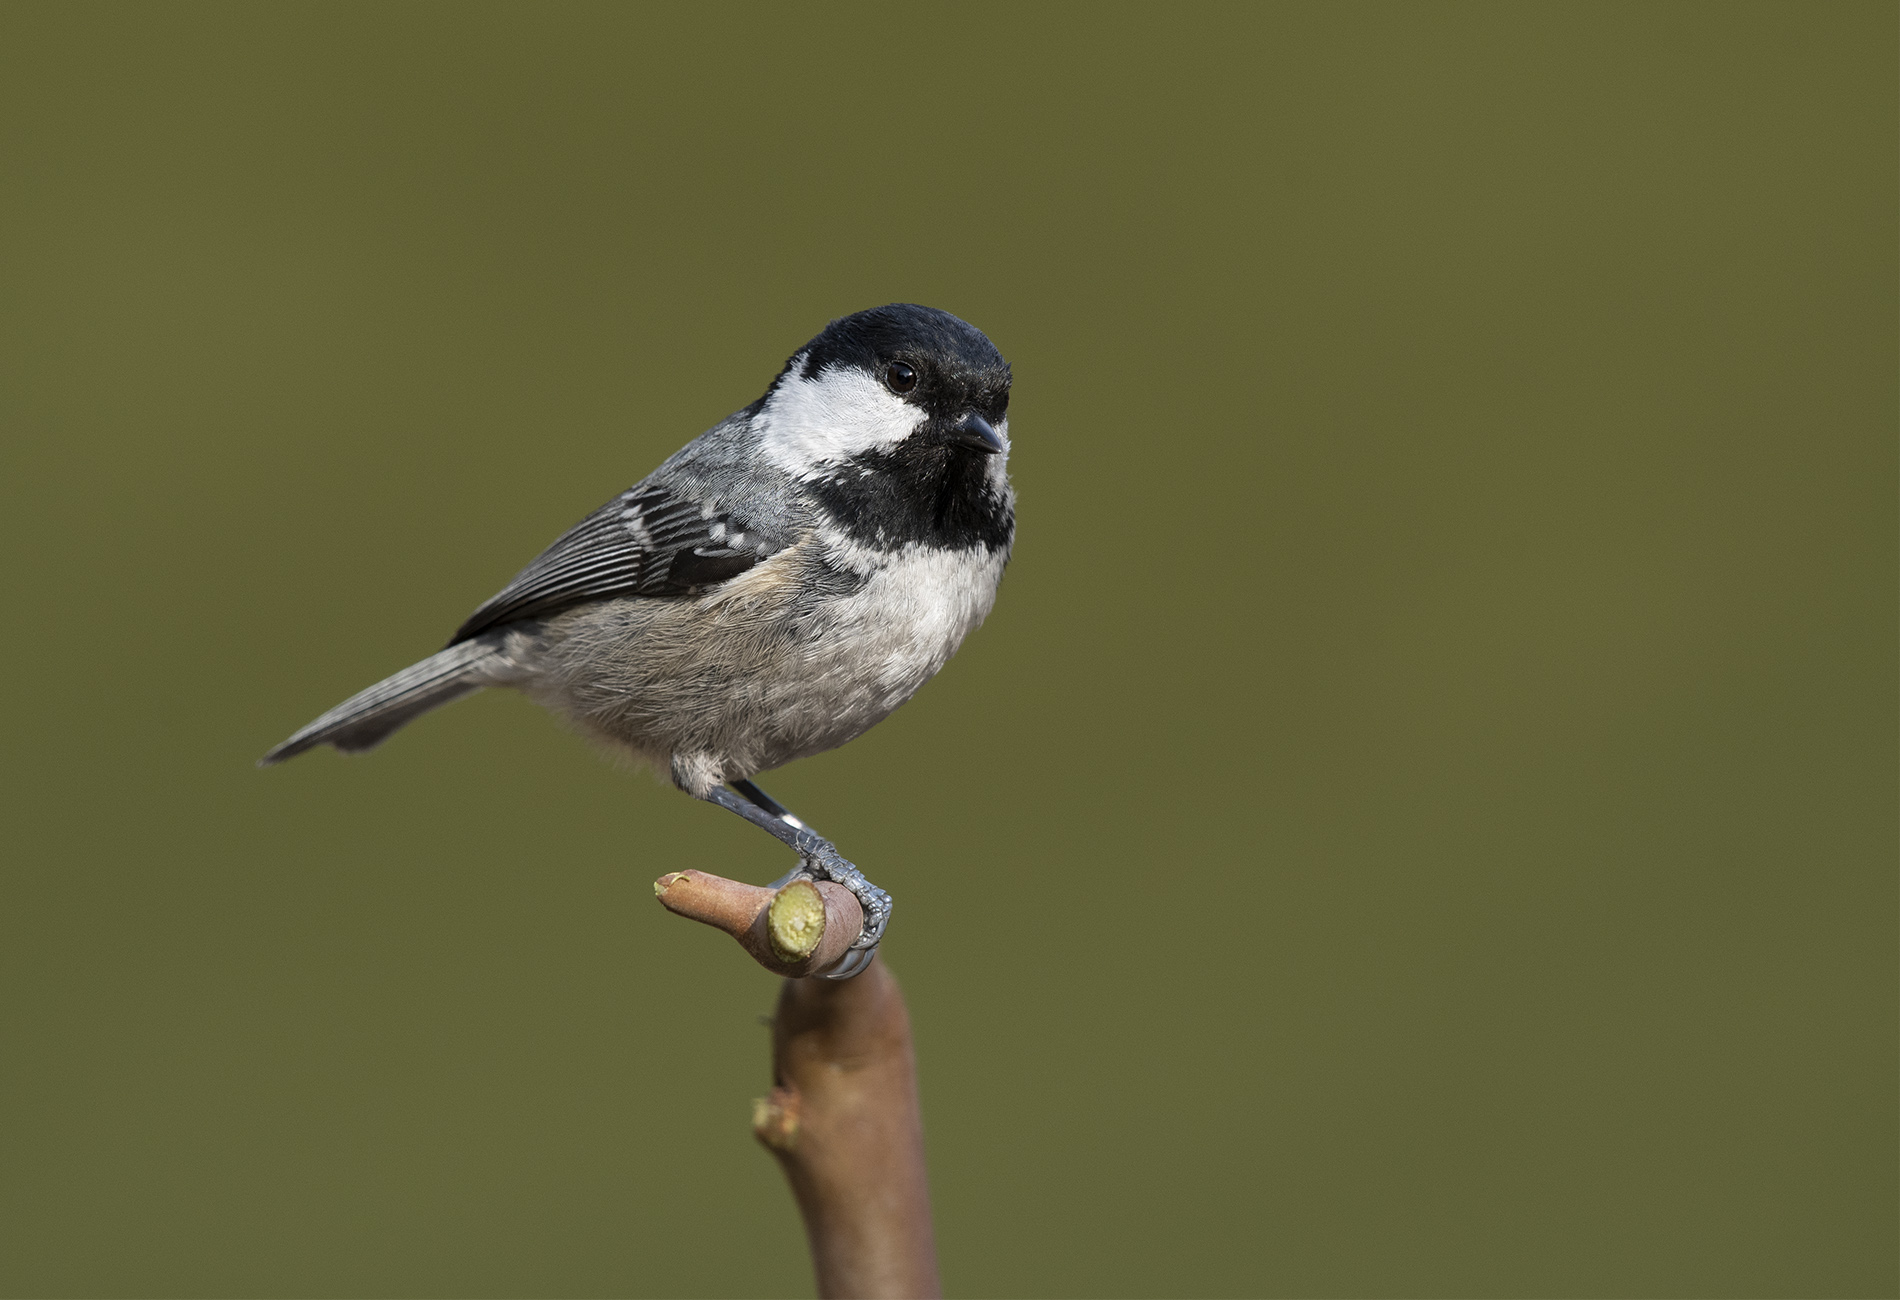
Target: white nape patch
[838,413]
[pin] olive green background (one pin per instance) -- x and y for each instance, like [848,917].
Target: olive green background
[1421,819]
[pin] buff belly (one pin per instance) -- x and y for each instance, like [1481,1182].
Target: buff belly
[719,686]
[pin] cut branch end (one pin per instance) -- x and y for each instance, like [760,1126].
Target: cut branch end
[796,931]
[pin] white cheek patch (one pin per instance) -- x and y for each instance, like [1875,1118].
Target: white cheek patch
[838,413]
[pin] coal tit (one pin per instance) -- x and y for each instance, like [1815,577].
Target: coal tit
[778,586]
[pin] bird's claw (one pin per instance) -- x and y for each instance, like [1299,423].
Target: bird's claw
[826,863]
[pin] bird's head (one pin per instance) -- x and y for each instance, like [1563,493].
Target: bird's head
[901,387]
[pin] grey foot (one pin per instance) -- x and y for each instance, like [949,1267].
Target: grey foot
[818,858]
[827,864]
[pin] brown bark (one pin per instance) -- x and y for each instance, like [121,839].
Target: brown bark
[844,1122]
[796,931]
[842,1116]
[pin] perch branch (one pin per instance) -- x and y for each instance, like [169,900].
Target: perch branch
[842,1116]
[796,931]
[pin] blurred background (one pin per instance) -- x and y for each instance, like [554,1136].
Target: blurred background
[1421,819]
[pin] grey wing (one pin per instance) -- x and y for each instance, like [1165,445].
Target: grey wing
[648,541]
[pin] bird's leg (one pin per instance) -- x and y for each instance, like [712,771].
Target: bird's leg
[780,811]
[751,791]
[818,856]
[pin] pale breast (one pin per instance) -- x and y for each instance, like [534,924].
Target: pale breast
[858,656]
[914,610]
[798,655]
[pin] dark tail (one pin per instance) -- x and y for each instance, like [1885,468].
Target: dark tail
[365,719]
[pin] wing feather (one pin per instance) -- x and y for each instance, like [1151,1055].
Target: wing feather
[648,541]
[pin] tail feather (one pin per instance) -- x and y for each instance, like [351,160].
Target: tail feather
[367,718]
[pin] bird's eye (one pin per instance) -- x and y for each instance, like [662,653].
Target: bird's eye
[900,377]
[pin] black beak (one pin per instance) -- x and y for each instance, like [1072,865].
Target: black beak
[974,431]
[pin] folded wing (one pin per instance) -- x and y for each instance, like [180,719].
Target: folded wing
[649,541]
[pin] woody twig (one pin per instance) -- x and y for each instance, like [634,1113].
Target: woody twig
[842,1116]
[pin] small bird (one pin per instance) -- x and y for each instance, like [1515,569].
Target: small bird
[777,587]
